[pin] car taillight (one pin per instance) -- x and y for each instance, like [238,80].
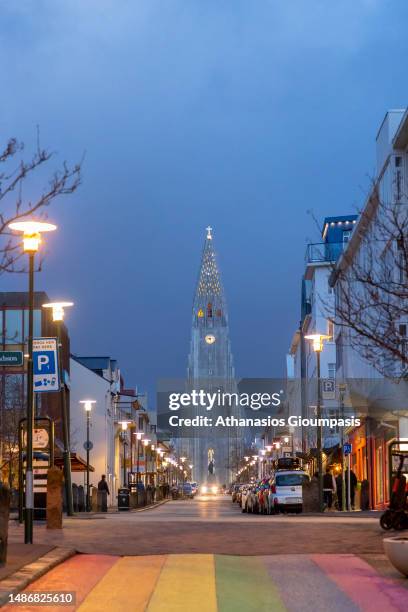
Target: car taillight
[273,489]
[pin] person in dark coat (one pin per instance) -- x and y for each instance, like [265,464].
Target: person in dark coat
[353,484]
[103,487]
[339,486]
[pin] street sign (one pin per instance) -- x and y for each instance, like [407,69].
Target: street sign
[45,365]
[329,388]
[40,438]
[347,449]
[11,358]
[88,445]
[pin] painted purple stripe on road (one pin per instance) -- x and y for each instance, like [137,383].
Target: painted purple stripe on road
[304,586]
[363,584]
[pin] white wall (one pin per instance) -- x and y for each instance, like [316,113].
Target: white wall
[85,384]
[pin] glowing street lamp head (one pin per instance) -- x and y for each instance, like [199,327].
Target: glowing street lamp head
[182,459]
[317,341]
[268,448]
[31,231]
[191,466]
[124,424]
[58,309]
[139,435]
[146,442]
[88,404]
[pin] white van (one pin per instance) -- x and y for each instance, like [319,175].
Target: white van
[286,491]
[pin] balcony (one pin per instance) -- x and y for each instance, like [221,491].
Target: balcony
[324,252]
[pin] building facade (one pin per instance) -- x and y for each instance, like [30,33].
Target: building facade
[374,383]
[210,367]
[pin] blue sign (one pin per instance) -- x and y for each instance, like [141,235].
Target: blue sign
[45,365]
[347,449]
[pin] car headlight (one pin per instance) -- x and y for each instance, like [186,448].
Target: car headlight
[204,489]
[214,489]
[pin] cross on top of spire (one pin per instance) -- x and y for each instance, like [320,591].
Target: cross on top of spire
[209,230]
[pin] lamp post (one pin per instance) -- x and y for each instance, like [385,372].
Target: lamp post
[31,231]
[145,444]
[58,317]
[317,343]
[88,407]
[182,459]
[139,436]
[124,425]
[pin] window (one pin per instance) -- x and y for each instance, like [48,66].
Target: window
[14,326]
[339,351]
[291,480]
[331,370]
[398,178]
[346,236]
[330,328]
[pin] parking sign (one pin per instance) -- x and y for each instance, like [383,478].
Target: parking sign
[45,365]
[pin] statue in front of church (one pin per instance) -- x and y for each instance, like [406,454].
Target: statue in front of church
[211,463]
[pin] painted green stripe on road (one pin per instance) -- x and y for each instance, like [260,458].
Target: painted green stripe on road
[244,585]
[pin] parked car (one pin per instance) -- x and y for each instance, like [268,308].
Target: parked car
[234,492]
[245,494]
[194,486]
[286,491]
[188,490]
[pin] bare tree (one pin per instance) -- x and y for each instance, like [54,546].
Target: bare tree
[371,284]
[14,173]
[12,410]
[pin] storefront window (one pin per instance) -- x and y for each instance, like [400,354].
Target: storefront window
[14,326]
[37,324]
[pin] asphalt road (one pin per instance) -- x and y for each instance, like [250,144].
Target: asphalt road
[212,525]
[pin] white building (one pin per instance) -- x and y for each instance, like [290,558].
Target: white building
[100,384]
[371,441]
[317,312]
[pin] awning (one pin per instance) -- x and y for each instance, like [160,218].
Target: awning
[77,463]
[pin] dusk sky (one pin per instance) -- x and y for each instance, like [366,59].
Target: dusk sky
[241,115]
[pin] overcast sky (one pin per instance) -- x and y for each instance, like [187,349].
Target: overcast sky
[242,115]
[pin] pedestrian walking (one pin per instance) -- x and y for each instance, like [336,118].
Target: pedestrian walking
[353,484]
[103,491]
[329,488]
[339,487]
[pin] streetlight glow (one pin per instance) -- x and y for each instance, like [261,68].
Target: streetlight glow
[88,404]
[317,341]
[31,231]
[58,309]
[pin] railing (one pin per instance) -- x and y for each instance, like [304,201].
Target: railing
[324,251]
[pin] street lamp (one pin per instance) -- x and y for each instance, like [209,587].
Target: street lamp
[317,343]
[58,317]
[31,231]
[145,444]
[88,407]
[139,435]
[124,425]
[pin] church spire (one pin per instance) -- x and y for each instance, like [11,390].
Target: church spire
[209,286]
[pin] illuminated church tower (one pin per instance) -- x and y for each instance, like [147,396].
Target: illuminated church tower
[210,367]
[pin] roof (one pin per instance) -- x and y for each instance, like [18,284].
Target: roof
[97,364]
[19,299]
[400,140]
[77,463]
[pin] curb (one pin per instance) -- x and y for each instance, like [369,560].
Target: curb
[27,574]
[151,507]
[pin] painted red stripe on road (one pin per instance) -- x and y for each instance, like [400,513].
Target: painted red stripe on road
[363,584]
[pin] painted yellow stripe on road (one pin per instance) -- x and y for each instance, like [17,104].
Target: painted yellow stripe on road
[186,583]
[128,585]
